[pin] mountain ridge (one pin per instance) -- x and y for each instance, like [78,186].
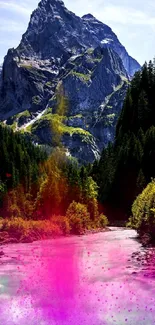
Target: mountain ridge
[86,58]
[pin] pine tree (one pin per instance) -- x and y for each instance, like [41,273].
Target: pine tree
[130,163]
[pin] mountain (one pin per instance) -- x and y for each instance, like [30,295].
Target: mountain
[81,58]
[105,37]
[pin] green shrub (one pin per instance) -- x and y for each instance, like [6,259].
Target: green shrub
[78,216]
[31,229]
[63,223]
[143,211]
[103,221]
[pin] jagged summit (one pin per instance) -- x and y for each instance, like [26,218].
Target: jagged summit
[45,3]
[92,19]
[88,16]
[51,4]
[81,55]
[54,31]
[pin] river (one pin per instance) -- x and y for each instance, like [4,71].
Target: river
[98,279]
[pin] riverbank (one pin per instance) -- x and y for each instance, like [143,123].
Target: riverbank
[27,231]
[146,239]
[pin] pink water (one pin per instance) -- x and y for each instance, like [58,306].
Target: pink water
[101,279]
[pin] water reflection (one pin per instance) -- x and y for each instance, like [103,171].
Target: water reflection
[99,279]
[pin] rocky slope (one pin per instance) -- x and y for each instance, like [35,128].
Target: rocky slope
[105,37]
[74,63]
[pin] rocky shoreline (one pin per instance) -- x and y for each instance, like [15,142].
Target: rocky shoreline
[146,240]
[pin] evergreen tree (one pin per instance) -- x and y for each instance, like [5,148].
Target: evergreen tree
[126,167]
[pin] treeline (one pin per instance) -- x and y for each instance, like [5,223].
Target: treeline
[60,182]
[36,187]
[19,161]
[127,166]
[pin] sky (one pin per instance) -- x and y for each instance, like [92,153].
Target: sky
[132,20]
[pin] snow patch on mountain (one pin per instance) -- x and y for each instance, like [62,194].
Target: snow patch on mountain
[106,41]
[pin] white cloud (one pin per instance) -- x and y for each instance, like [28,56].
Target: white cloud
[125,15]
[15,7]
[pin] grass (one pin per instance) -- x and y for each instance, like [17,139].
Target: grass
[118,87]
[48,84]
[108,98]
[25,114]
[125,79]
[49,110]
[110,119]
[111,116]
[90,50]
[26,66]
[82,76]
[16,117]
[32,69]
[13,126]
[28,129]
[58,124]
[75,116]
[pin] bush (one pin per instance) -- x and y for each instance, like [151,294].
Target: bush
[78,216]
[30,229]
[143,211]
[103,221]
[62,223]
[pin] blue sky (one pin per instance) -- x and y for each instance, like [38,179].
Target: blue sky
[132,20]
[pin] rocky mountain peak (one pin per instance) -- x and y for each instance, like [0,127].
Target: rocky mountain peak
[51,7]
[52,32]
[85,57]
[88,17]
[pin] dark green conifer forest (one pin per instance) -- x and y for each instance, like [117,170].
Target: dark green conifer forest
[127,166]
[19,161]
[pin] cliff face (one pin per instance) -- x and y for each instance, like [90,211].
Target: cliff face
[105,37]
[81,58]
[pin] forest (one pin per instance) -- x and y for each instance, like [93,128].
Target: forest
[127,166]
[44,195]
[56,193]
